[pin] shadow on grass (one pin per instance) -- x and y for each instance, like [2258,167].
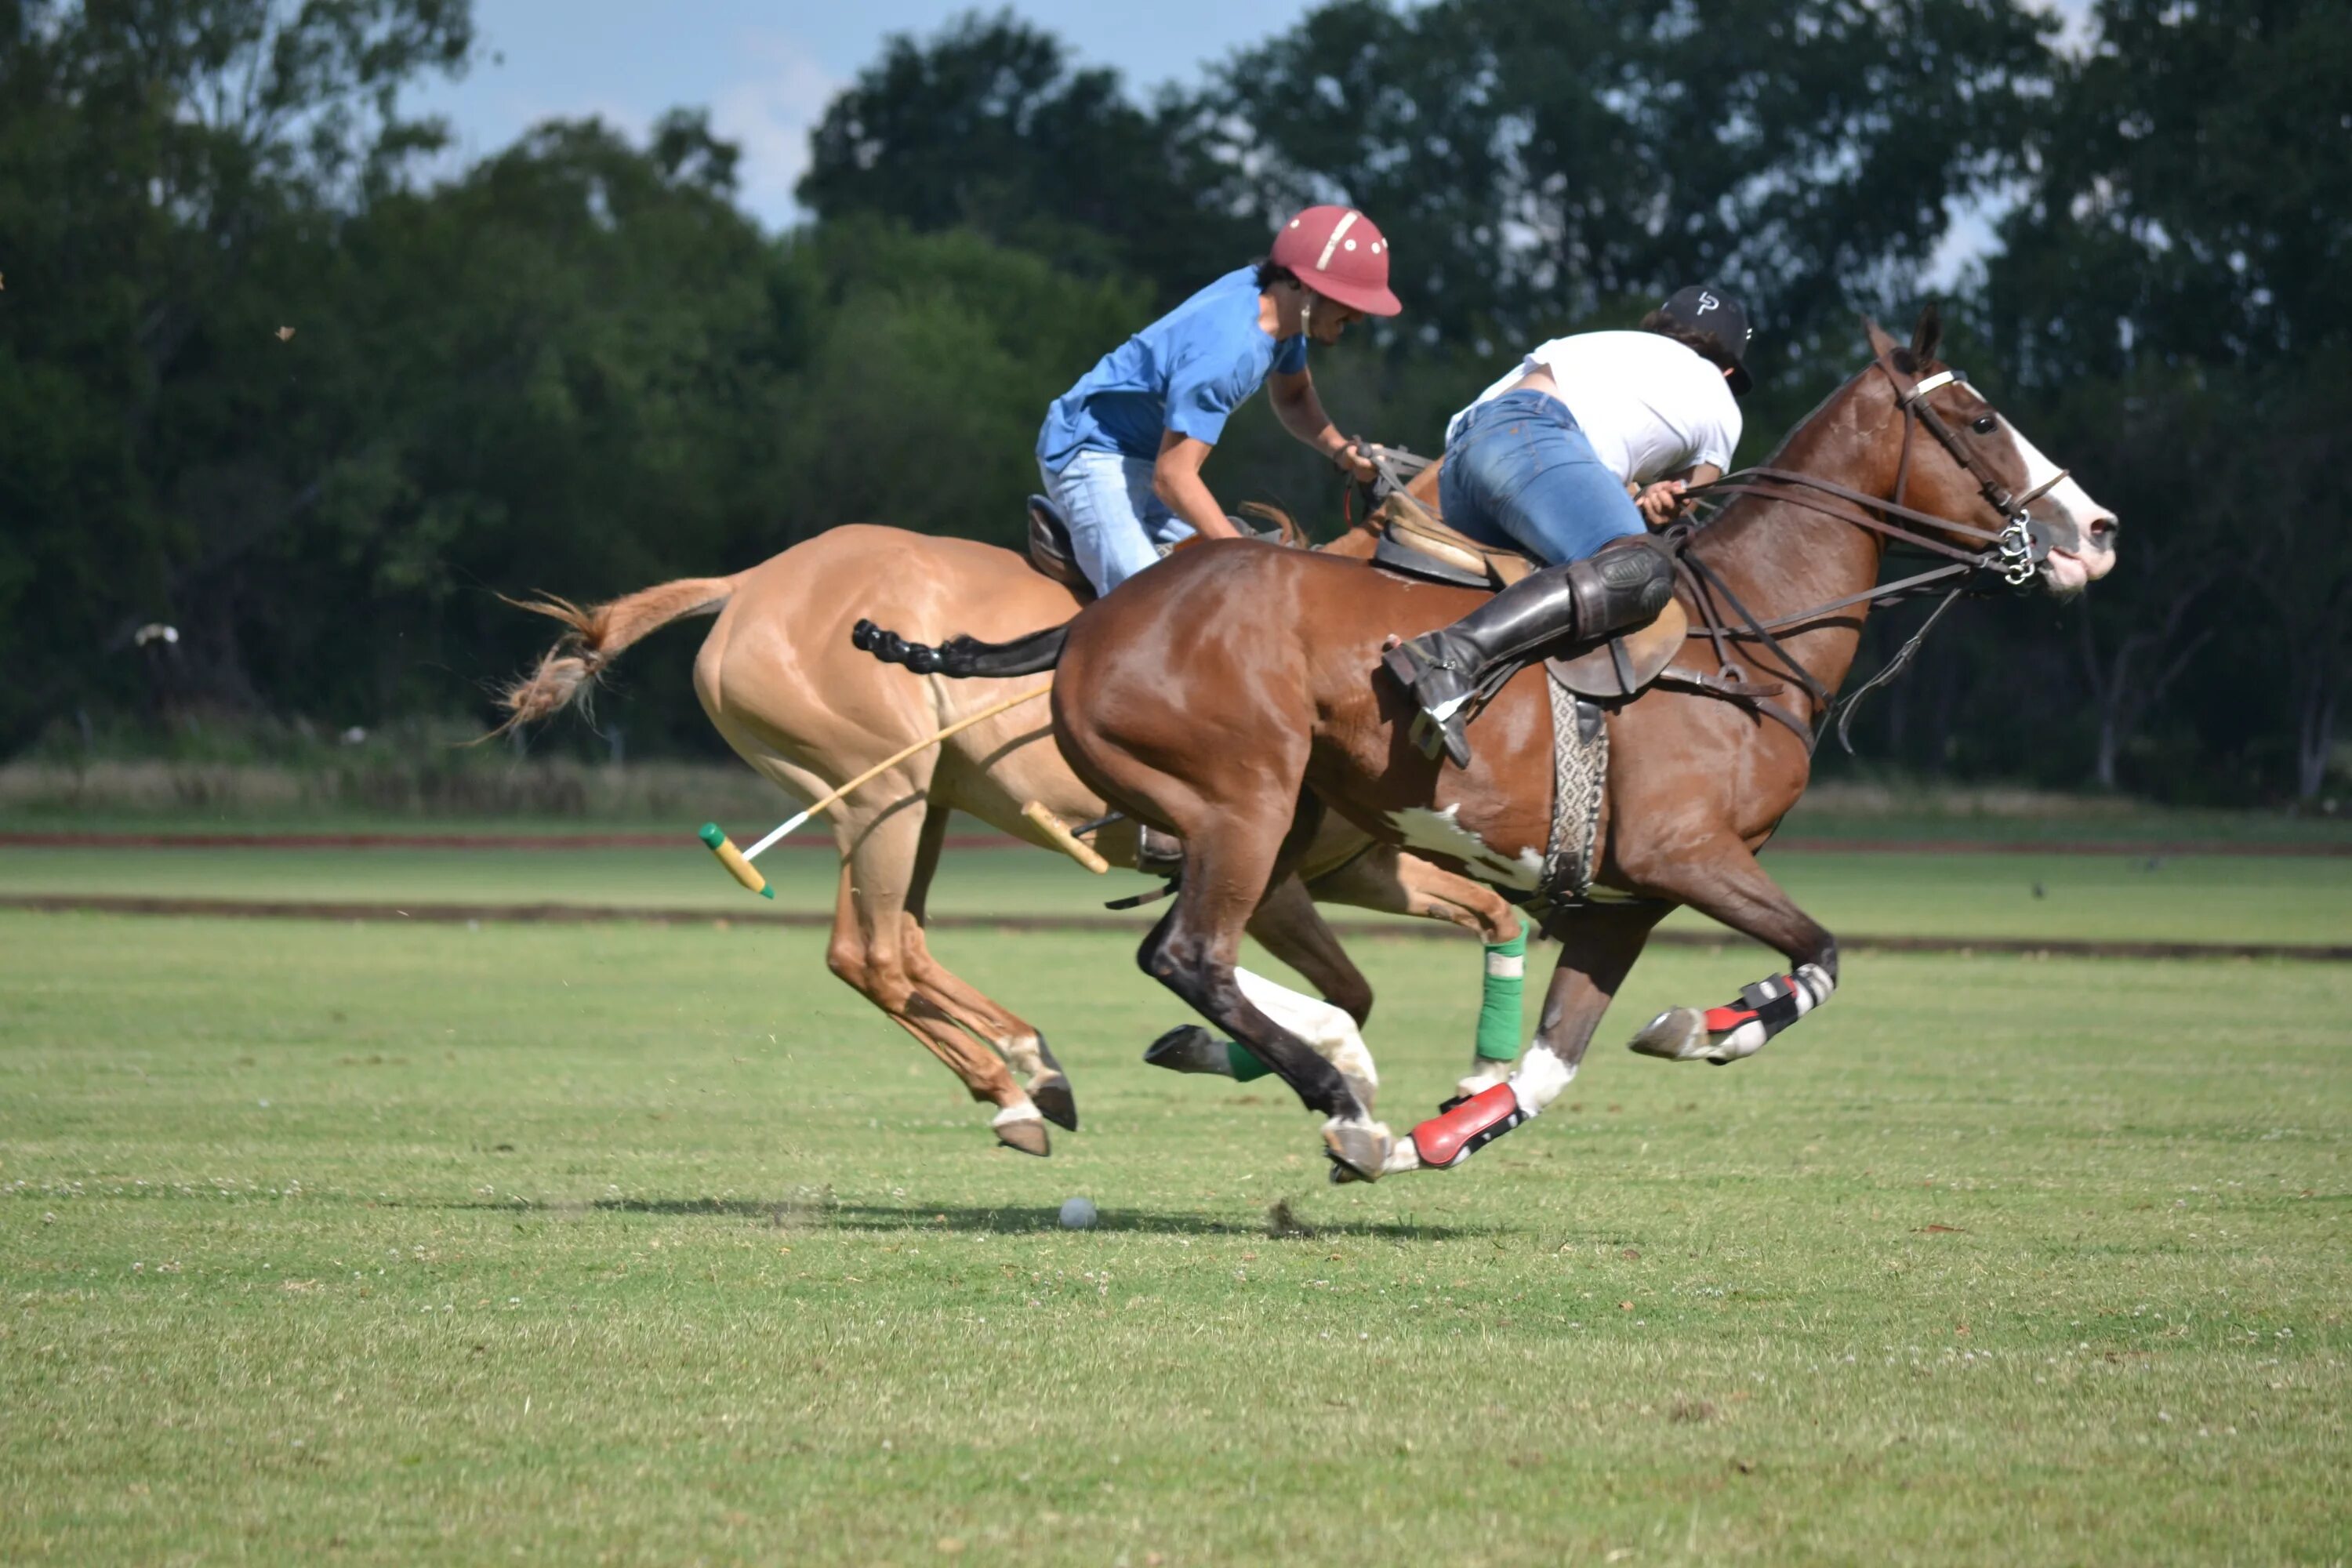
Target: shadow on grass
[825,1214]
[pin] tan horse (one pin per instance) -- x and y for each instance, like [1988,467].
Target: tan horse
[778,677]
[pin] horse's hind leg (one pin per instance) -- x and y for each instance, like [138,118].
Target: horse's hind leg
[1015,1038]
[873,937]
[1722,879]
[1288,926]
[1231,854]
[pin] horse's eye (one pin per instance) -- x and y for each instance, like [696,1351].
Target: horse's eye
[1984,425]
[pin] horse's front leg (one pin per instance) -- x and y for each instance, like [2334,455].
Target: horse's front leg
[1723,880]
[1598,946]
[1386,878]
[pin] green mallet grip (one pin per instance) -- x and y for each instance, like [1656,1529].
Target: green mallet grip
[1499,1004]
[742,870]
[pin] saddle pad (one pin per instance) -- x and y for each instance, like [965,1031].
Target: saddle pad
[1397,557]
[1408,523]
[1623,665]
[1580,759]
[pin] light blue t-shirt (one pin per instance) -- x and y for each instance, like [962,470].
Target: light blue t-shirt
[1185,372]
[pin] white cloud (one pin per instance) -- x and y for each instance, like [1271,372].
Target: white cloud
[770,114]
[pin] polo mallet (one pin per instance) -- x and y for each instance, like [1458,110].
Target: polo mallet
[738,861]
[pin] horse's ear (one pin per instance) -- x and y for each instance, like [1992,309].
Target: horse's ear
[1882,341]
[1928,335]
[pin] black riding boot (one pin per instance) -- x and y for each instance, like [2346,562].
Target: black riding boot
[1621,586]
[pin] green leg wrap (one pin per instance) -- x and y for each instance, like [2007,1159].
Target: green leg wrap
[1498,1008]
[1245,1066]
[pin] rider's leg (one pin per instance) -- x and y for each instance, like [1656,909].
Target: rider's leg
[1526,472]
[1119,525]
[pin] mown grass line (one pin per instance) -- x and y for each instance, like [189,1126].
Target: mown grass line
[807,919]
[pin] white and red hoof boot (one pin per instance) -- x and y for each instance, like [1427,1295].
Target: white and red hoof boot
[1466,1126]
[1724,1034]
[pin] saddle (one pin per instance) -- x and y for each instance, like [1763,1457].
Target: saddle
[1050,552]
[1416,542]
[1049,548]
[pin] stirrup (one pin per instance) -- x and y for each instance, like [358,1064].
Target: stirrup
[1439,727]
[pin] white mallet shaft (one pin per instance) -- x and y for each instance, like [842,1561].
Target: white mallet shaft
[966,723]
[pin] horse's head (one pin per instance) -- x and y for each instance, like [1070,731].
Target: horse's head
[1974,465]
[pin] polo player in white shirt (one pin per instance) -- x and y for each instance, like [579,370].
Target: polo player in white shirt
[1572,458]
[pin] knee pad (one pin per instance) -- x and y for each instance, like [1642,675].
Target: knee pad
[1624,585]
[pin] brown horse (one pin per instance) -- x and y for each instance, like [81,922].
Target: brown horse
[779,679]
[1232,693]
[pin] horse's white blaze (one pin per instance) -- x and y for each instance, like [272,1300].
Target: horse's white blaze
[2093,554]
[1441,833]
[1328,1029]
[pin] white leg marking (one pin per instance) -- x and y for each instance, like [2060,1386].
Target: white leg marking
[1484,1074]
[1328,1028]
[1019,1111]
[1022,1051]
[1542,1076]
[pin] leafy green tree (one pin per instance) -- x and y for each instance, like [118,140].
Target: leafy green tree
[1545,163]
[171,169]
[2180,251]
[989,127]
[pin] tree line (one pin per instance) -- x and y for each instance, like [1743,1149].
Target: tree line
[266,379]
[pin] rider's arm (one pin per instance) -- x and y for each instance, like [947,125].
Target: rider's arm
[1301,412]
[1176,480]
[1663,501]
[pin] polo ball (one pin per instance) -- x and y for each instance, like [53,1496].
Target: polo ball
[1078,1214]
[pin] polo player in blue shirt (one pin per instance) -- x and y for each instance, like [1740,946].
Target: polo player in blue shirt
[1122,451]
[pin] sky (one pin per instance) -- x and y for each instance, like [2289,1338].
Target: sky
[766,71]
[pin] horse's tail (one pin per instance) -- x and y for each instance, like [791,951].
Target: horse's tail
[595,636]
[962,658]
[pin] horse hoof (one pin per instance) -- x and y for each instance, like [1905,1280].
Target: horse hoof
[1188,1047]
[1052,1097]
[1026,1135]
[1677,1035]
[1360,1147]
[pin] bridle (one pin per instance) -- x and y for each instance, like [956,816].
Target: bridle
[2013,552]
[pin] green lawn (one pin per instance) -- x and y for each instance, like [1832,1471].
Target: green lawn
[2200,898]
[385,1243]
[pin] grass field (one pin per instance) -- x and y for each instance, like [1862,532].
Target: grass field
[2196,898]
[393,1244]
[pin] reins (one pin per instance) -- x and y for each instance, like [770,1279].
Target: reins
[2012,552]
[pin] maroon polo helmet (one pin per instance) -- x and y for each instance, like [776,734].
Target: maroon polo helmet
[1339,254]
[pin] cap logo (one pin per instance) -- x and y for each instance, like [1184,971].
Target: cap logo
[1346,223]
[1707,301]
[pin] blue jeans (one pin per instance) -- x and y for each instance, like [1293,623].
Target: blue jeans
[1117,524]
[1520,472]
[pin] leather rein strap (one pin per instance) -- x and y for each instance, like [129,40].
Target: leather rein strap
[2012,551]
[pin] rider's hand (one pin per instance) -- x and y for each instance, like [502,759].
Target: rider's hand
[1662,502]
[1350,457]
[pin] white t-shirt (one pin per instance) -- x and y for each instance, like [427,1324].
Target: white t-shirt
[1649,405]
